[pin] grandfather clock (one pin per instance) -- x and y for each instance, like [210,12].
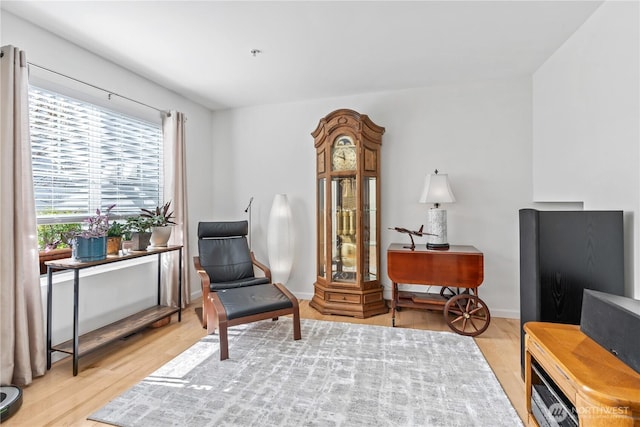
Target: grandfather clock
[348,215]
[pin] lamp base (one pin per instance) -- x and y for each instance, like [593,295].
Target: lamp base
[437,229]
[438,246]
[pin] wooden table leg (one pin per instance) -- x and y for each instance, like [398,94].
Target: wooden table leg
[76,328]
[394,302]
[49,316]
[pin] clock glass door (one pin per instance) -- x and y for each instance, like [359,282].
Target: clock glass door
[369,221]
[343,245]
[322,227]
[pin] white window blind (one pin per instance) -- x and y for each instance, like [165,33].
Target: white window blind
[87,157]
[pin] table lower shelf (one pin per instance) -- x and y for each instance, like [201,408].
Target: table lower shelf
[100,337]
[420,300]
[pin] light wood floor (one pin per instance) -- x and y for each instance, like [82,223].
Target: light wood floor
[60,399]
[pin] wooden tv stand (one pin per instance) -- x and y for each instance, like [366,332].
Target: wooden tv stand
[603,390]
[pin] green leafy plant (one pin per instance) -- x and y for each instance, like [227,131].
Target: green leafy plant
[56,236]
[160,216]
[137,224]
[116,229]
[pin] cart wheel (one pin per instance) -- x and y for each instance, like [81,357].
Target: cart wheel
[467,315]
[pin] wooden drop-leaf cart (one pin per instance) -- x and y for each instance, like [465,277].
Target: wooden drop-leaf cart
[458,271]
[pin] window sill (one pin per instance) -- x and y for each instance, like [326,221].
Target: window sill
[52,255]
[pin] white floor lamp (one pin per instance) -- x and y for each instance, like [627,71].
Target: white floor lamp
[280,239]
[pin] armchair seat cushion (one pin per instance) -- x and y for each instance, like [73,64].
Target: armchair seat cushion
[250,300]
[240,283]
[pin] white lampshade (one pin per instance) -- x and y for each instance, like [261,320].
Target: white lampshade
[437,189]
[280,239]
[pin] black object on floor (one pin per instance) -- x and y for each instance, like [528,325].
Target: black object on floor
[11,400]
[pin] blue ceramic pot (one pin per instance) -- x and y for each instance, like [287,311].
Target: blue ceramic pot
[89,249]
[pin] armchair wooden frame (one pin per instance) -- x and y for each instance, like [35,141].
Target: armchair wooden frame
[207,305]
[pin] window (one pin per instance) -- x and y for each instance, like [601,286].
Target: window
[87,157]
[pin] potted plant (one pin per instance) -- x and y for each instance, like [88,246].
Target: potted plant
[54,242]
[139,229]
[90,244]
[114,238]
[127,244]
[161,219]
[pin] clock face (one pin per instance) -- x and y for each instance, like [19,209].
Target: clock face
[343,154]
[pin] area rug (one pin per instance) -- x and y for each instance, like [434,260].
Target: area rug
[339,374]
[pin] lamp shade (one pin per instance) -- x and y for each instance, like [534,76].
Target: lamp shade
[280,239]
[437,189]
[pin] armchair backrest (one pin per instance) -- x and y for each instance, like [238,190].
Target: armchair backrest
[223,250]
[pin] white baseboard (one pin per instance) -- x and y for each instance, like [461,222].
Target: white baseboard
[504,313]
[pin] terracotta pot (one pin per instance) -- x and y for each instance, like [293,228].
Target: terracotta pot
[113,245]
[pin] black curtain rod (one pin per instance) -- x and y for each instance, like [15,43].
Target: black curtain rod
[110,92]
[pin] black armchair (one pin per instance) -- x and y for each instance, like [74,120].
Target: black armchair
[231,292]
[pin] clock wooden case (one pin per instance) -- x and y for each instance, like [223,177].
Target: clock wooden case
[348,215]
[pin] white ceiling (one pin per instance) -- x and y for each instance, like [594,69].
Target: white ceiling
[202,49]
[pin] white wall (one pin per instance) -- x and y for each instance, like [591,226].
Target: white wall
[109,294]
[480,134]
[586,121]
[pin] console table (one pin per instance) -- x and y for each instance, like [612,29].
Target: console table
[81,345]
[589,385]
[461,266]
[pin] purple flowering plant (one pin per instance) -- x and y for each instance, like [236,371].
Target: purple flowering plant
[96,225]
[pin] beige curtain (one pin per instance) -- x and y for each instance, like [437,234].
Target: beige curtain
[22,335]
[175,189]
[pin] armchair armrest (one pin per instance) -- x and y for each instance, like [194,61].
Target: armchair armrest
[259,265]
[204,277]
[205,281]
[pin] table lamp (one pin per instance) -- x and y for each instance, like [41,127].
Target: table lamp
[437,190]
